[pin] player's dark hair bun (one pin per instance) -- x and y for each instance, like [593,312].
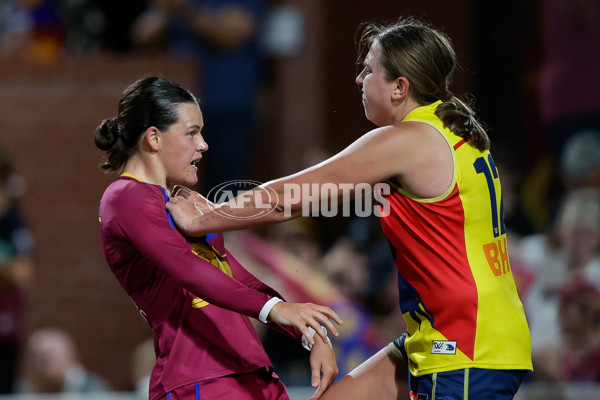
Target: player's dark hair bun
[107,134]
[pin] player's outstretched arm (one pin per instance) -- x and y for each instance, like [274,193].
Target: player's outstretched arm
[304,315]
[371,159]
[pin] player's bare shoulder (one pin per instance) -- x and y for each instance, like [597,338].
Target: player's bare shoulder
[428,168]
[406,138]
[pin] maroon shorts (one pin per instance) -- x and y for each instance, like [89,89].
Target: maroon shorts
[260,384]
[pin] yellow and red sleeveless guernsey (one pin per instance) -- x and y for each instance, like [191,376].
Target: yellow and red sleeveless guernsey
[457,292]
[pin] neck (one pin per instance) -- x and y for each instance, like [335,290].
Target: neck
[145,171]
[405,107]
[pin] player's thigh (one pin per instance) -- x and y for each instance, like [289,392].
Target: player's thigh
[383,376]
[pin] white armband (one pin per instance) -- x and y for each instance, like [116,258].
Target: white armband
[264,312]
[312,332]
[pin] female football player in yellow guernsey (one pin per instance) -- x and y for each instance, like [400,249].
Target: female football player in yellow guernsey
[467,336]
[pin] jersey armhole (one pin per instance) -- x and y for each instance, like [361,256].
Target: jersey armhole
[396,185]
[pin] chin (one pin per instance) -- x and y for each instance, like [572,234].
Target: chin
[187,181]
[373,120]
[191,182]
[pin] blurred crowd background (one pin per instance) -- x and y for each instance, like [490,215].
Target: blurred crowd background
[276,81]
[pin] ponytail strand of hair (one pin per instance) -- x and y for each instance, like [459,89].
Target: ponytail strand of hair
[460,118]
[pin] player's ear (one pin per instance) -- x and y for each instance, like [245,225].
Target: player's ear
[152,138]
[400,91]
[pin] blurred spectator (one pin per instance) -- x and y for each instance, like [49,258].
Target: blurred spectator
[31,29]
[52,365]
[46,30]
[347,268]
[379,296]
[569,91]
[577,357]
[564,85]
[568,251]
[296,238]
[580,160]
[15,27]
[223,35]
[16,272]
[85,24]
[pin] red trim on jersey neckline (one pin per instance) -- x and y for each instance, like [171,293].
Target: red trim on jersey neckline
[457,145]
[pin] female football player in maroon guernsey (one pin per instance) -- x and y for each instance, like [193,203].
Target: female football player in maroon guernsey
[195,295]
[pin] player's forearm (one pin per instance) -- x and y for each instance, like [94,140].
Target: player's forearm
[303,193]
[253,209]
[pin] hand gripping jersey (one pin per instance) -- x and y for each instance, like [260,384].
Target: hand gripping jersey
[195,296]
[457,292]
